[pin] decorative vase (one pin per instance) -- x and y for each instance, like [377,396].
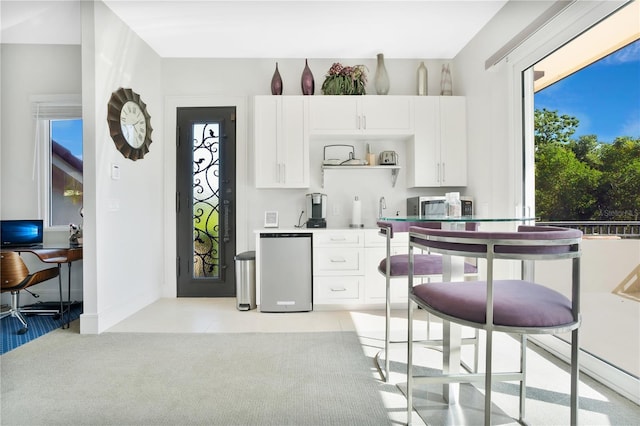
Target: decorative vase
[381,81]
[422,80]
[446,86]
[306,81]
[276,82]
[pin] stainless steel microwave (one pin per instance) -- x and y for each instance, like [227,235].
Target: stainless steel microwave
[434,205]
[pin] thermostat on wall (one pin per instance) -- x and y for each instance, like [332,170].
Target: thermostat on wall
[270,219]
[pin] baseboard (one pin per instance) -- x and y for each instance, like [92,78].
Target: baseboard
[96,323]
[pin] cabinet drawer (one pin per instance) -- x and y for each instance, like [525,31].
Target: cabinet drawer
[372,238]
[336,289]
[338,261]
[338,239]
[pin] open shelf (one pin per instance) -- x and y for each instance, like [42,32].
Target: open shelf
[394,171]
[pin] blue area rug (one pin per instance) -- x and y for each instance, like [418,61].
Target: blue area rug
[38,326]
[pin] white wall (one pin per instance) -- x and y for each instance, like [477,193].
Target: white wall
[123,218]
[29,70]
[495,166]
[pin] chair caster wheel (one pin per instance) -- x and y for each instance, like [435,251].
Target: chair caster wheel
[23,330]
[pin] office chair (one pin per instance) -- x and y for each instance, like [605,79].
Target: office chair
[15,277]
[397,266]
[516,306]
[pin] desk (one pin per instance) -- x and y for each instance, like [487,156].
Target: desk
[452,270]
[59,256]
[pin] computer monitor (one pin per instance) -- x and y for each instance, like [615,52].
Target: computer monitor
[21,233]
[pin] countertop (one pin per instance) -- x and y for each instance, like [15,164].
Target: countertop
[307,230]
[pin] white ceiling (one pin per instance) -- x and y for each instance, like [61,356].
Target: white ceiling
[427,29]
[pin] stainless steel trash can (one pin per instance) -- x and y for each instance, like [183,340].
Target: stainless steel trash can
[246,280]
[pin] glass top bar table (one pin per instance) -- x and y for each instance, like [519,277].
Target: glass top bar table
[453,270]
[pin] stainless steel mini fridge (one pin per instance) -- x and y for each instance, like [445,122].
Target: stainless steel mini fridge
[285,272]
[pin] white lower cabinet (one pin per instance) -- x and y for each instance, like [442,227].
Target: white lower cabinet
[338,267]
[337,289]
[375,252]
[345,268]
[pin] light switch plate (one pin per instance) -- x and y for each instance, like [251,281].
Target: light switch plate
[115,172]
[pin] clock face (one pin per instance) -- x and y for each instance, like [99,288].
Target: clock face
[129,123]
[133,124]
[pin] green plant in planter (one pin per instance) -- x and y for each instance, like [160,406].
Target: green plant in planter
[341,80]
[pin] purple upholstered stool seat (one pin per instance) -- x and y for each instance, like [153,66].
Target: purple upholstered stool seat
[423,264]
[516,303]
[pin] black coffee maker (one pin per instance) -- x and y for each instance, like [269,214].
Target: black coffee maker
[317,210]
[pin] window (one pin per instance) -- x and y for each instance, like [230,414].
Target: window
[65,171]
[588,139]
[57,163]
[572,132]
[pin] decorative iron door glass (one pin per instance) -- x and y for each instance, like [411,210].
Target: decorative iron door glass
[206,200]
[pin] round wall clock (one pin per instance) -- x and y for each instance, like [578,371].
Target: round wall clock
[129,123]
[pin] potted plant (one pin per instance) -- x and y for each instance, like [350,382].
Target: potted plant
[341,80]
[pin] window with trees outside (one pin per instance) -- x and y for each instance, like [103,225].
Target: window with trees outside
[587,142]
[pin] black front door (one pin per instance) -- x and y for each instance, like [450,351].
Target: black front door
[205,200]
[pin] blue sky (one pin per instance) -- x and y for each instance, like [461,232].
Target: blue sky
[68,133]
[605,96]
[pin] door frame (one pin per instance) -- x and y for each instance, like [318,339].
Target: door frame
[172,103]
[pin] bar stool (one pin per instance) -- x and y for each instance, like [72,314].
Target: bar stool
[516,306]
[397,266]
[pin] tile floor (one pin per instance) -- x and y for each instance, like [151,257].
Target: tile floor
[546,377]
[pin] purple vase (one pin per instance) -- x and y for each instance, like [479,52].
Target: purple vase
[276,82]
[307,83]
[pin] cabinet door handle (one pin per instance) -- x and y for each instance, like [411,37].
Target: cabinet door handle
[443,173]
[438,174]
[357,122]
[364,122]
[337,260]
[338,289]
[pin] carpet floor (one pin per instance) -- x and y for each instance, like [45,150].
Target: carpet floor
[190,379]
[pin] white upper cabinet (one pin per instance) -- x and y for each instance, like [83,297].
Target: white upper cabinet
[438,151]
[361,115]
[281,145]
